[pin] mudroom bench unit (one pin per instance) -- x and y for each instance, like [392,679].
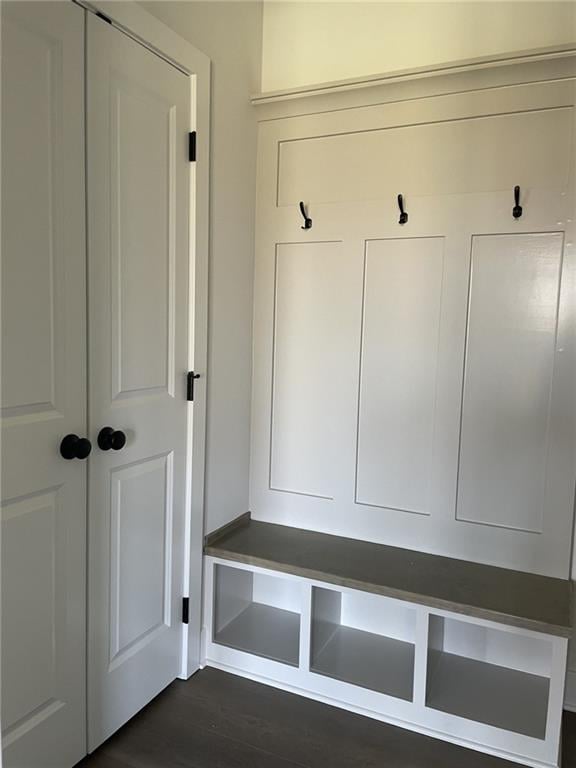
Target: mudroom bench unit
[469,653]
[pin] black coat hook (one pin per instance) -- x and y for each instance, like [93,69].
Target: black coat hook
[307,219]
[403,215]
[517,210]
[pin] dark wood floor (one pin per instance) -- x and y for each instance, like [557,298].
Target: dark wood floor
[215,720]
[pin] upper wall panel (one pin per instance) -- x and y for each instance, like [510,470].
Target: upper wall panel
[486,154]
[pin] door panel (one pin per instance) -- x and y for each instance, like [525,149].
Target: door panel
[140,553]
[142,193]
[43,385]
[138,191]
[29,540]
[33,256]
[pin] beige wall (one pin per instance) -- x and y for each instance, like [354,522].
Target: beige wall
[230,33]
[311,42]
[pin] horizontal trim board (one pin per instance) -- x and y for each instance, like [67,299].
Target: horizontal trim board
[454,67]
[493,79]
[514,598]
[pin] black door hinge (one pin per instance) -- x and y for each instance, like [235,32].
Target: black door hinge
[190,385]
[192,146]
[185,610]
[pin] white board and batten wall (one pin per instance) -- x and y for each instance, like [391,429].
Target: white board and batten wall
[415,384]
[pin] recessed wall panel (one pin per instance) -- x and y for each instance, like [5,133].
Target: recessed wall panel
[511,340]
[310,288]
[401,327]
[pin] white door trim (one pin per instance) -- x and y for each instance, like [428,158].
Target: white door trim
[152,33]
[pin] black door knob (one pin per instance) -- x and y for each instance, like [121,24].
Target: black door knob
[110,438]
[74,447]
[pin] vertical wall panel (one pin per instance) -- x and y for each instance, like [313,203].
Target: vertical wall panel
[309,290]
[402,300]
[513,309]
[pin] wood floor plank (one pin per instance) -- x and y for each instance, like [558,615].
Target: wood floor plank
[304,731]
[569,740]
[217,720]
[100,759]
[164,735]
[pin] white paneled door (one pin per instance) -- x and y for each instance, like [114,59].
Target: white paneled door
[43,385]
[94,364]
[138,112]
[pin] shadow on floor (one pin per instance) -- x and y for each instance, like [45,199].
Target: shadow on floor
[216,720]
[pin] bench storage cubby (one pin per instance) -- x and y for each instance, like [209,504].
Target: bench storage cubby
[257,613]
[488,675]
[363,639]
[447,661]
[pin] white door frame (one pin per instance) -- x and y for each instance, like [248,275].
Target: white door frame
[152,33]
